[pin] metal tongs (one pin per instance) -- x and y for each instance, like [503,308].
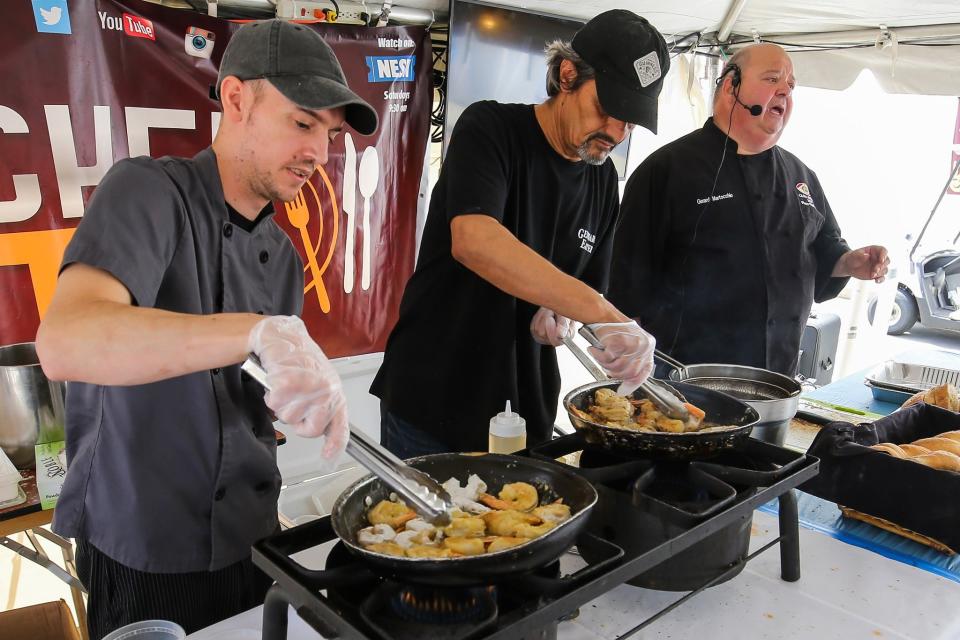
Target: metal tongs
[667,399]
[419,490]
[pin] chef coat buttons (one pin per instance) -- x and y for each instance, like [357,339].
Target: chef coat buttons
[264,256]
[771,322]
[227,230]
[216,371]
[263,487]
[220,493]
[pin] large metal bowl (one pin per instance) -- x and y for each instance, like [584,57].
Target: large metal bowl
[31,406]
[774,395]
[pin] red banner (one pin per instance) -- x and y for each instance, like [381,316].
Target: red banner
[88,82]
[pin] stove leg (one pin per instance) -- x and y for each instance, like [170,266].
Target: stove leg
[275,614]
[790,537]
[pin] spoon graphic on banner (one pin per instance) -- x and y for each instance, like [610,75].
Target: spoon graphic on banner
[367,180]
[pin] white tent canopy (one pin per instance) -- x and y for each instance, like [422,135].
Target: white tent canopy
[910,46]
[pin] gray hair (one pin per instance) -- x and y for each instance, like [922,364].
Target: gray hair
[558,51]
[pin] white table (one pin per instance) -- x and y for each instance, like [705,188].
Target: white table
[844,592]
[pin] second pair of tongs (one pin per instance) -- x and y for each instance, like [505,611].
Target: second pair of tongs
[663,396]
[421,492]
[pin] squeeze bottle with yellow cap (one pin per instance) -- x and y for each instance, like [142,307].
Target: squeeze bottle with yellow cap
[508,432]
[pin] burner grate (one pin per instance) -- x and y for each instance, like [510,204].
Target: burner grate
[347,600]
[408,612]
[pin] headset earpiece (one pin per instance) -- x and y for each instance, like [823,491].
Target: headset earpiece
[735,77]
[734,71]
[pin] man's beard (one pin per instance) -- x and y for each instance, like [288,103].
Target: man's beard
[263,184]
[595,157]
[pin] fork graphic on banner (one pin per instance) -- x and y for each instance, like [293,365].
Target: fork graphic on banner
[298,214]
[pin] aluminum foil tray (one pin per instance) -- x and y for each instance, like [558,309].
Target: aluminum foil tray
[917,371]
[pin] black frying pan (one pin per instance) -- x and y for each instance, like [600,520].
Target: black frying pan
[349,515]
[734,419]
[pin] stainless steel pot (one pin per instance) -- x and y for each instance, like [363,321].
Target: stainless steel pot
[31,406]
[774,395]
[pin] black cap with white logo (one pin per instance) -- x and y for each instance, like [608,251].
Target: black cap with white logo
[296,60]
[630,59]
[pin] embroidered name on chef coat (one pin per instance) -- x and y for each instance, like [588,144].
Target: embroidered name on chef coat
[721,196]
[586,240]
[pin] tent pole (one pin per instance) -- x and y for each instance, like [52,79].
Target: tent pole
[733,13]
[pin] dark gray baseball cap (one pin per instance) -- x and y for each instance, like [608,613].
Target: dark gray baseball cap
[296,60]
[631,59]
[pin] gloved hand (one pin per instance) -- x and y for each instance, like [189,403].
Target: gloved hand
[305,390]
[550,328]
[627,353]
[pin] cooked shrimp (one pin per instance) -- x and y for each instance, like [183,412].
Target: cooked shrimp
[518,496]
[504,542]
[696,416]
[464,546]
[504,523]
[389,548]
[405,538]
[466,497]
[395,514]
[429,537]
[554,512]
[533,530]
[669,425]
[609,406]
[375,534]
[421,551]
[419,524]
[465,528]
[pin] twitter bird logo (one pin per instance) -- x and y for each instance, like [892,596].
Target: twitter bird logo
[52,16]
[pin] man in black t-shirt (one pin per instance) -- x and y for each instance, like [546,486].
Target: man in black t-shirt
[516,248]
[725,239]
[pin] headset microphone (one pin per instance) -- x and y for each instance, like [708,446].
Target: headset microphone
[754,109]
[736,77]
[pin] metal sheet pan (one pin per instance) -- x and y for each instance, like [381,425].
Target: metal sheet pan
[917,371]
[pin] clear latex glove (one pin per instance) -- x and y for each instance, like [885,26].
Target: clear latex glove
[305,390]
[626,354]
[550,328]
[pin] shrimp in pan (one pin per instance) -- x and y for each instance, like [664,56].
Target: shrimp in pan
[465,546]
[394,514]
[554,512]
[505,523]
[516,496]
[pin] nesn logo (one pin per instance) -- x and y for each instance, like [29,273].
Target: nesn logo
[390,68]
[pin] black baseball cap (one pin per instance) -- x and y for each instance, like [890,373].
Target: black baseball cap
[296,60]
[630,59]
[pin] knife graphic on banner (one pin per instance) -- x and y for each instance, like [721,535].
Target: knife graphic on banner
[349,205]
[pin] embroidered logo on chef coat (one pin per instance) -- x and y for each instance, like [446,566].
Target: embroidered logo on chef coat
[647,68]
[586,240]
[803,194]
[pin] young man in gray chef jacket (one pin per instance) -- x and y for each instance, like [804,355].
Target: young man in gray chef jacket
[176,273]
